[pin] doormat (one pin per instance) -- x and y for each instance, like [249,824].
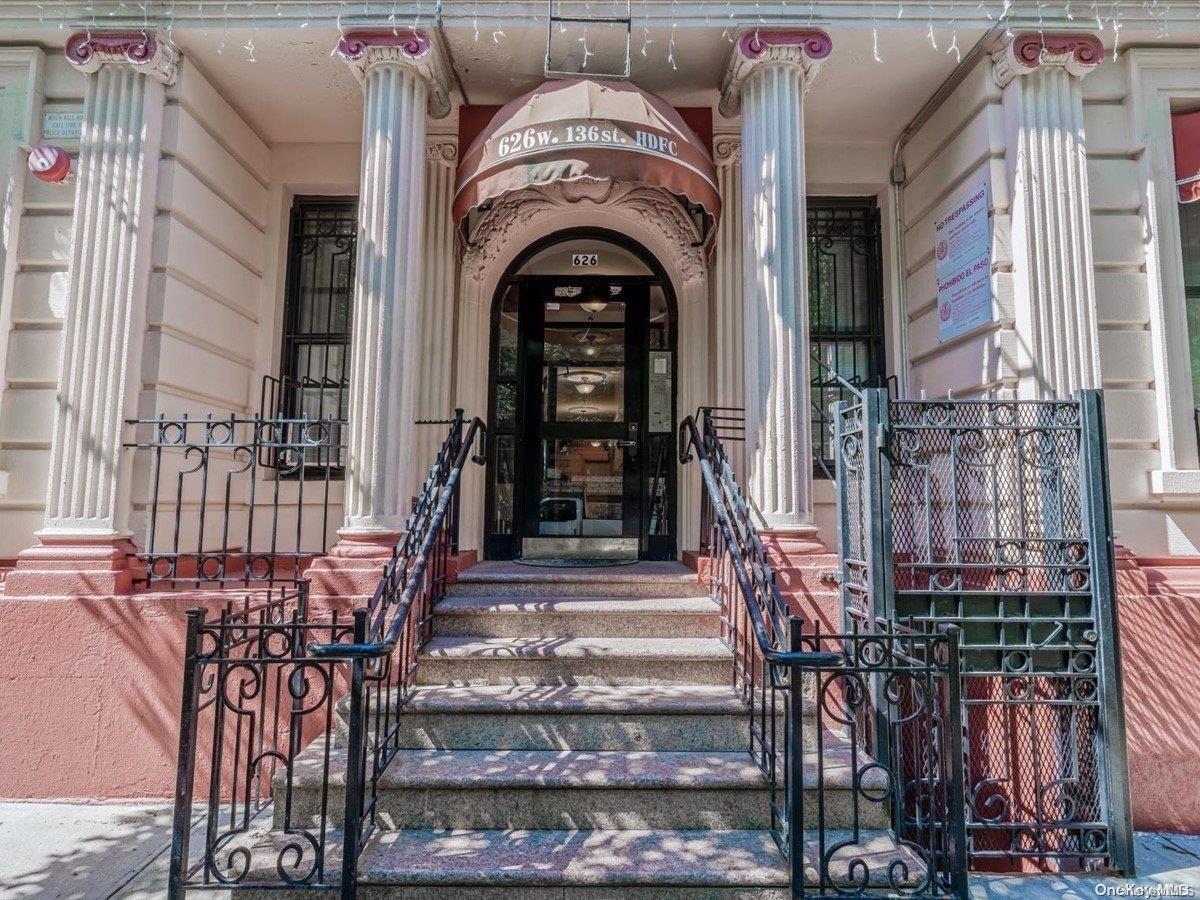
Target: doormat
[573,562]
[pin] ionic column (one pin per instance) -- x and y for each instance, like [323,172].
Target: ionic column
[85,545]
[766,80]
[1046,159]
[404,78]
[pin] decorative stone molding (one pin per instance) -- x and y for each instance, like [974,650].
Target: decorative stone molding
[1078,54]
[442,151]
[419,50]
[803,48]
[149,52]
[507,218]
[727,151]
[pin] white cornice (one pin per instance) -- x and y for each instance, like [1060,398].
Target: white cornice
[462,14]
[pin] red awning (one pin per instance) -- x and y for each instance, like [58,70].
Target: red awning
[1186,130]
[579,129]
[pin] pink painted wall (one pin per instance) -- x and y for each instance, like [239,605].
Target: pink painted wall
[92,688]
[1160,649]
[91,691]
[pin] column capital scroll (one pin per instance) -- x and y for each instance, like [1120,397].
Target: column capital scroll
[727,150]
[804,48]
[415,48]
[440,149]
[1024,54]
[148,52]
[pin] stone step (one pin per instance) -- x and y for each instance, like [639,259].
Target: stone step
[639,861]
[521,616]
[645,579]
[563,717]
[470,659]
[532,789]
[425,864]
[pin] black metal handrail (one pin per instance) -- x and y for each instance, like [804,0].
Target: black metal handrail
[890,690]
[390,630]
[762,599]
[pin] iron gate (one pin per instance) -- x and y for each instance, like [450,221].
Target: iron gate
[994,516]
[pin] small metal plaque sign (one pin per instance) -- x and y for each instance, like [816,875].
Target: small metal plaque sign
[62,124]
[585,260]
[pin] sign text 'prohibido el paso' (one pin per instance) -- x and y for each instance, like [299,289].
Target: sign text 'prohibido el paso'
[963,252]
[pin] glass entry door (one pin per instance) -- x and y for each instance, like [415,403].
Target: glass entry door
[584,351]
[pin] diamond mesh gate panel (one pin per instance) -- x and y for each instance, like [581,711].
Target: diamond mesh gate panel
[986,522]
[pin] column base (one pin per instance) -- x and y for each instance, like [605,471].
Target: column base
[802,565]
[354,565]
[75,566]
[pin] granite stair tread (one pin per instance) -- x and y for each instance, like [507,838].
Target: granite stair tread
[662,579]
[484,604]
[467,770]
[502,572]
[469,646]
[595,857]
[662,858]
[578,699]
[601,857]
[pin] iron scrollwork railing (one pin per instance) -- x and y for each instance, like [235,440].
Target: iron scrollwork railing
[389,632]
[261,710]
[873,711]
[252,700]
[994,516]
[237,500]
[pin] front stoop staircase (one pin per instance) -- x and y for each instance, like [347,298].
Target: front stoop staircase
[575,734]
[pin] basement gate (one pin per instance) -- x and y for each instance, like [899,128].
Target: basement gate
[994,516]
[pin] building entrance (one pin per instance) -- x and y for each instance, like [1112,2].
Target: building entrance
[583,406]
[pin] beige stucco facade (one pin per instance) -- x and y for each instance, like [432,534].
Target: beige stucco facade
[210,307]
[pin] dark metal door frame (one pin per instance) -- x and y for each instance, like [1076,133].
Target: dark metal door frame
[635,296]
[638,503]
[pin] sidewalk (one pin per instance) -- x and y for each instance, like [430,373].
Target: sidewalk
[71,851]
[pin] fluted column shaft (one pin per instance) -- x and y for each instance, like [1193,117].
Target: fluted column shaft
[434,357]
[768,77]
[1051,216]
[386,299]
[402,78]
[88,479]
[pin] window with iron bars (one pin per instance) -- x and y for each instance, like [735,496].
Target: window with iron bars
[318,309]
[845,297]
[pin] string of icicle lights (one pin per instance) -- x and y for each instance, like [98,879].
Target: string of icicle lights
[941,24]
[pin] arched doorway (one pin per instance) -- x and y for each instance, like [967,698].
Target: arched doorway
[581,403]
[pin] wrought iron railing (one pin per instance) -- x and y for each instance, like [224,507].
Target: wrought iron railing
[234,500]
[887,690]
[260,710]
[995,516]
[390,631]
[253,699]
